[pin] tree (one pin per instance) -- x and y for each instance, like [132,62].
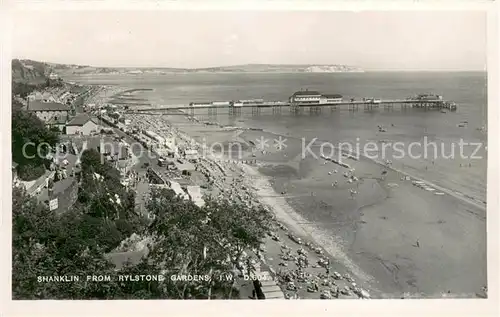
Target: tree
[206,241]
[29,135]
[45,244]
[106,202]
[186,239]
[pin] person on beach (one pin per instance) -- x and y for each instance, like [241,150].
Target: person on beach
[417,244]
[353,193]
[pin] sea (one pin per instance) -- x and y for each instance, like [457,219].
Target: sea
[460,168]
[467,89]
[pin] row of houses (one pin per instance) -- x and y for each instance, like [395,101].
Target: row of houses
[314,97]
[59,95]
[58,115]
[167,147]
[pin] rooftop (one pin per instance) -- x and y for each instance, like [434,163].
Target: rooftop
[36,105]
[185,166]
[80,120]
[59,120]
[332,96]
[306,93]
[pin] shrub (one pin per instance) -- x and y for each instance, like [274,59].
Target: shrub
[29,172]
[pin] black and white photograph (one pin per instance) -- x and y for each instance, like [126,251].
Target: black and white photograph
[248,155]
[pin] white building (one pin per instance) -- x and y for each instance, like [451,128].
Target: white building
[194,193]
[170,143]
[82,124]
[333,98]
[306,97]
[191,155]
[176,187]
[200,104]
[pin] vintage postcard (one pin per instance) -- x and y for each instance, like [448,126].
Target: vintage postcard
[250,154]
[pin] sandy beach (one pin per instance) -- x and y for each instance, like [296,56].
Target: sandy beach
[374,235]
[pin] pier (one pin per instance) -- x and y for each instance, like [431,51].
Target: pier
[316,108]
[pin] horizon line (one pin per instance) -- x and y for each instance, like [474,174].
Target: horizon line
[369,69]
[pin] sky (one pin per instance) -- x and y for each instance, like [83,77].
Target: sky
[390,40]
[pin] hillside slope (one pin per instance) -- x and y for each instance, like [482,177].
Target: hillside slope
[30,72]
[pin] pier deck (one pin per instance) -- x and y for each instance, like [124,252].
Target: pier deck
[390,103]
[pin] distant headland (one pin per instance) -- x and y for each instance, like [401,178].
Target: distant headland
[72,69]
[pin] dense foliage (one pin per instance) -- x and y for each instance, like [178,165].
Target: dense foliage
[30,143]
[102,197]
[186,239]
[45,244]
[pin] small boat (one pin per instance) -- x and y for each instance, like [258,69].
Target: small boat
[443,111]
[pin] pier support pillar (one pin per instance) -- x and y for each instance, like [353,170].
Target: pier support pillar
[255,110]
[353,107]
[234,111]
[212,111]
[314,110]
[294,108]
[388,106]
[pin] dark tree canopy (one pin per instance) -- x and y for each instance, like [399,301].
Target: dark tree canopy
[187,239]
[31,141]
